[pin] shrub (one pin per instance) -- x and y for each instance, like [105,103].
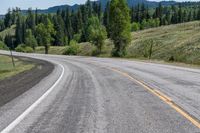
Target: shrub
[28,50]
[107,49]
[3,46]
[135,26]
[171,58]
[77,37]
[72,49]
[23,48]
[86,49]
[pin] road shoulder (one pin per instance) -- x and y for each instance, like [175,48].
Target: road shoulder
[14,86]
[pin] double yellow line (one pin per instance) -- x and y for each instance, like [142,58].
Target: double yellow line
[162,96]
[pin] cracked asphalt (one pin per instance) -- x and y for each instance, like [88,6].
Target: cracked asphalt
[91,98]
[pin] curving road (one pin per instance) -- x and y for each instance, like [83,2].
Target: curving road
[100,95]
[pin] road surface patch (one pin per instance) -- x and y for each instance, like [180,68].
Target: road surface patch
[162,96]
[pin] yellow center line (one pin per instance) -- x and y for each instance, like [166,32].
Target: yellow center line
[162,96]
[157,93]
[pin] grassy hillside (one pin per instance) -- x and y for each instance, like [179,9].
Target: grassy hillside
[179,43]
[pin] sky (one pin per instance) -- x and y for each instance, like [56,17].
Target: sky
[41,4]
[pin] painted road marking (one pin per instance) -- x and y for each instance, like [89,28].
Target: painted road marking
[11,126]
[155,92]
[162,96]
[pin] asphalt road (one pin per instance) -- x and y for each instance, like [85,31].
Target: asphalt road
[99,95]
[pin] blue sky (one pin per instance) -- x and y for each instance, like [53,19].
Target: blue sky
[42,4]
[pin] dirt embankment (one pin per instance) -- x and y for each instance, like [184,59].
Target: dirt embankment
[13,87]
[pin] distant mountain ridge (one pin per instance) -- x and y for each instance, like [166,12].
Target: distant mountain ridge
[146,2]
[104,2]
[61,7]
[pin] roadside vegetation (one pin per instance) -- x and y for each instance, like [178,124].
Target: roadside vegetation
[93,31]
[175,43]
[3,46]
[7,70]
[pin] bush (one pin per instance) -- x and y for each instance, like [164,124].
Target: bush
[107,49]
[86,49]
[23,48]
[3,46]
[135,26]
[77,37]
[171,59]
[72,49]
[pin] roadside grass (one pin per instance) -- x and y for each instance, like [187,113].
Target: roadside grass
[57,50]
[85,49]
[7,70]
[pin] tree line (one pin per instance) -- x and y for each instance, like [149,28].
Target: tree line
[142,17]
[91,23]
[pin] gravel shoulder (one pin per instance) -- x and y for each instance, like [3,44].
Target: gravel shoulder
[14,86]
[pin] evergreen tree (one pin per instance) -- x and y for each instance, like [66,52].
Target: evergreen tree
[30,21]
[79,21]
[198,13]
[185,16]
[9,41]
[99,12]
[69,30]
[194,15]
[2,25]
[168,17]
[106,17]
[59,25]
[132,12]
[36,17]
[143,11]
[89,8]
[174,18]
[138,14]
[119,26]
[8,20]
[23,33]
[190,16]
[19,31]
[180,15]
[147,13]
